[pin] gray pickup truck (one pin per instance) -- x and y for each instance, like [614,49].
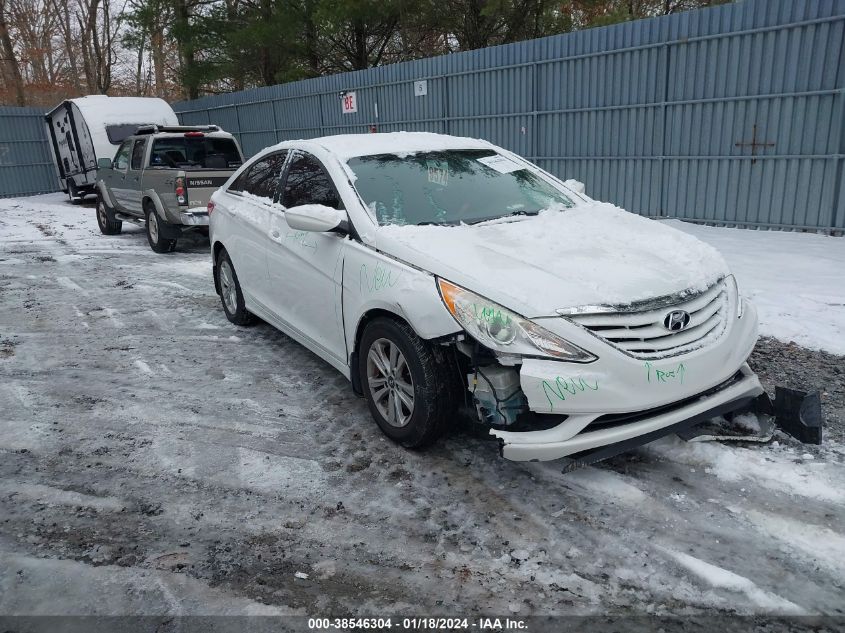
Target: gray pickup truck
[164,176]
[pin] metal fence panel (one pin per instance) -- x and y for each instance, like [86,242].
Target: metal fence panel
[732,114]
[26,164]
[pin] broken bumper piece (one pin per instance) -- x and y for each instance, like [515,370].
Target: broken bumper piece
[586,438]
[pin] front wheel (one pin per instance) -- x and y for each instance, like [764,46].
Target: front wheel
[409,384]
[157,241]
[106,220]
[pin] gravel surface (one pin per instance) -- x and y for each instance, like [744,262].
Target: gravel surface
[157,459]
[789,365]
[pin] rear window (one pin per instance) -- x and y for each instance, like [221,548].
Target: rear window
[195,152]
[119,133]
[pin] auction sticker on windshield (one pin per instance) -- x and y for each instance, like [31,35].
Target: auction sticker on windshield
[500,163]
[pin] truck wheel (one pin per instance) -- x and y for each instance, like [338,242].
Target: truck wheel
[155,226]
[230,291]
[105,218]
[409,384]
[73,193]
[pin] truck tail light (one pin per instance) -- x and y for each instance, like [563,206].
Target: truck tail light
[210,206]
[181,191]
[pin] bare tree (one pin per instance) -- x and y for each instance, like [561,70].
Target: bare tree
[11,69]
[64,24]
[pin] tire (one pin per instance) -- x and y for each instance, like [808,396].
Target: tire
[155,226]
[230,291]
[73,193]
[427,375]
[105,218]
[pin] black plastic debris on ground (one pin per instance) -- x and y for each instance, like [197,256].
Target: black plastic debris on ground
[799,414]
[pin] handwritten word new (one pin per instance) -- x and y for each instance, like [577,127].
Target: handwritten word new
[665,375]
[376,278]
[562,386]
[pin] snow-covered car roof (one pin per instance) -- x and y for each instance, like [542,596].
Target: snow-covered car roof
[346,146]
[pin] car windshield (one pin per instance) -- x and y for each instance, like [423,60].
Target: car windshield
[450,187]
[195,152]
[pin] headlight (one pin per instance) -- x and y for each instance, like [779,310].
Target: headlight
[734,290]
[502,330]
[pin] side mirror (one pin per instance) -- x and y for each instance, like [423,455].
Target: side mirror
[317,218]
[576,185]
[104,163]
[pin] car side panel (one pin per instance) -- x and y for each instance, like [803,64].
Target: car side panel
[133,182]
[116,181]
[242,225]
[304,271]
[373,281]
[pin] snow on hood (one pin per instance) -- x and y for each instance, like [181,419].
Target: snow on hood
[591,254]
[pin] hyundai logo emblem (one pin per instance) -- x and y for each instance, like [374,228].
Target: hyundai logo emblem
[676,320]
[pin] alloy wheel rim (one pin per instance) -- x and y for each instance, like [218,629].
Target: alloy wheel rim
[101,213]
[227,288]
[390,382]
[152,223]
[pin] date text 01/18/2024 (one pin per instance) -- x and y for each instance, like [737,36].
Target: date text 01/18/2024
[418,623]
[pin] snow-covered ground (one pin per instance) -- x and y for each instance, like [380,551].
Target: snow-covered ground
[156,459]
[796,280]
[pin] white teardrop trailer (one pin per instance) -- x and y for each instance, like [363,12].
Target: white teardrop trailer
[85,129]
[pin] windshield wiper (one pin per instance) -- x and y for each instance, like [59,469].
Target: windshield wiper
[432,223]
[507,215]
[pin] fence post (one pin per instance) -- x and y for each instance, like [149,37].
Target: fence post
[840,148]
[445,108]
[664,125]
[535,88]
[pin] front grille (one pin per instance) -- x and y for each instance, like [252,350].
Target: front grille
[640,332]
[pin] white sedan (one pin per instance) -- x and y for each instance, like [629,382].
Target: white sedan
[446,275]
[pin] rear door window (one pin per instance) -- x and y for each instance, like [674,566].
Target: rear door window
[308,183]
[261,179]
[138,153]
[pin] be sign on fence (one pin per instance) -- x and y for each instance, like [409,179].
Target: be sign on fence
[349,104]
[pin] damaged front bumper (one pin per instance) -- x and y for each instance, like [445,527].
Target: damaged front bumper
[586,438]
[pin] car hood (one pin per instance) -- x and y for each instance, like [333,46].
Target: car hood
[591,254]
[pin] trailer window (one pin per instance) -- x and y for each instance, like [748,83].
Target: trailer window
[119,133]
[199,152]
